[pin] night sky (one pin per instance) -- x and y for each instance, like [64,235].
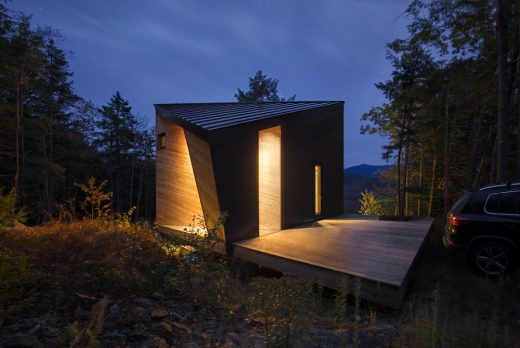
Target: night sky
[164,51]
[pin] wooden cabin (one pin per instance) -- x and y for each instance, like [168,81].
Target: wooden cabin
[269,166]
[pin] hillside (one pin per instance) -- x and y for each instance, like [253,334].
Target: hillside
[356,179]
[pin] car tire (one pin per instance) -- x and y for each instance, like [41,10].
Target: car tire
[492,259]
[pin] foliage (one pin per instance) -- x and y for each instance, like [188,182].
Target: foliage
[283,306]
[441,109]
[202,273]
[95,256]
[87,337]
[370,205]
[8,212]
[51,138]
[19,285]
[96,203]
[125,146]
[451,307]
[261,89]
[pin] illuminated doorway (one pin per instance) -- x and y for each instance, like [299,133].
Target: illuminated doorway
[269,181]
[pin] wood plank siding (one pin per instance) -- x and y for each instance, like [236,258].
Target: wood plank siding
[307,137]
[177,197]
[220,166]
[313,137]
[202,164]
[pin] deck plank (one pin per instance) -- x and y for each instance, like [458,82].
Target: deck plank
[382,252]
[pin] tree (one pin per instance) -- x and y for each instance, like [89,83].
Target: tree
[503,96]
[370,205]
[440,116]
[51,138]
[116,139]
[261,89]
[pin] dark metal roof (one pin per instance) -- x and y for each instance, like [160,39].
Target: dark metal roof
[212,116]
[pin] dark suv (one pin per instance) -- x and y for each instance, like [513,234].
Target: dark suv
[486,225]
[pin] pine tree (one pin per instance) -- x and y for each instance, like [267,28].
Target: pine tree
[261,89]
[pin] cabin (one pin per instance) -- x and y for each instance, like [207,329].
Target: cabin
[268,166]
[276,170]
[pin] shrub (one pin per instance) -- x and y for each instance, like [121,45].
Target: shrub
[18,285]
[8,212]
[369,204]
[97,202]
[284,306]
[203,274]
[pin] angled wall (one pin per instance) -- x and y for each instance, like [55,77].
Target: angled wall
[177,195]
[202,165]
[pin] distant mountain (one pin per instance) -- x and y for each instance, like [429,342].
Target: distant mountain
[357,179]
[365,169]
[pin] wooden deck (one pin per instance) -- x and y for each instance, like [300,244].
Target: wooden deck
[345,250]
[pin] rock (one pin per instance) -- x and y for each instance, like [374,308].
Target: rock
[138,331]
[155,342]
[158,295]
[141,315]
[247,340]
[167,327]
[143,301]
[19,341]
[181,326]
[114,310]
[159,313]
[384,328]
[42,331]
[190,345]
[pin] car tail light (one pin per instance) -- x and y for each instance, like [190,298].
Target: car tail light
[457,221]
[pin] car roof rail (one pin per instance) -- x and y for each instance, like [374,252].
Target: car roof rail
[508,186]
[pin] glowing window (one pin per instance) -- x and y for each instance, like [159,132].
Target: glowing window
[161,141]
[317,189]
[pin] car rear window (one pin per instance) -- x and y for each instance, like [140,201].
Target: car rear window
[509,203]
[458,204]
[476,204]
[503,203]
[492,203]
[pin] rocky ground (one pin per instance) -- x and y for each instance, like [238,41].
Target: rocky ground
[157,321]
[53,281]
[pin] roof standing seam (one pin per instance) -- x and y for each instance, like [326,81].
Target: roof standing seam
[212,116]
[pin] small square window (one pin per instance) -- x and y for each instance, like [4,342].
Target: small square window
[161,141]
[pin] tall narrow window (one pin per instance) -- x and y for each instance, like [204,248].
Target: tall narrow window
[317,189]
[161,141]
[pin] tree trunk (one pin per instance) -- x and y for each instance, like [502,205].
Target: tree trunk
[502,50]
[477,144]
[446,152]
[493,168]
[400,196]
[131,182]
[18,142]
[46,197]
[434,168]
[140,188]
[419,196]
[406,169]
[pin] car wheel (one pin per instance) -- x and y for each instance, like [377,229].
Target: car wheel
[492,259]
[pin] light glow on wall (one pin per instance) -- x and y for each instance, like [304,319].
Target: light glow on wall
[317,189]
[269,180]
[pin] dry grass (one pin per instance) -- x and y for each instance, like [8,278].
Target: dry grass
[451,307]
[90,257]
[447,307]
